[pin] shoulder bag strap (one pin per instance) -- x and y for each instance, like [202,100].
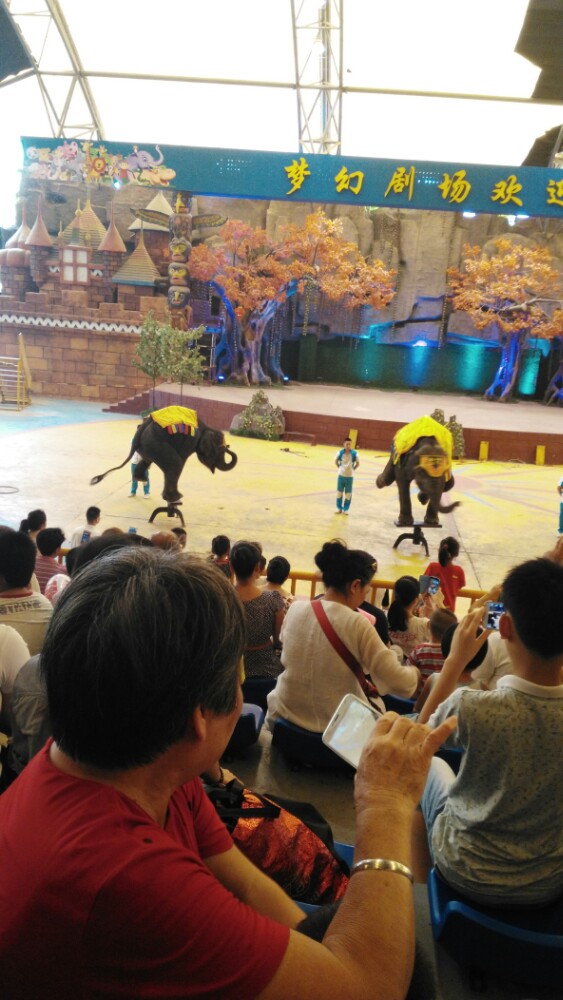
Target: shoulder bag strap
[350,660]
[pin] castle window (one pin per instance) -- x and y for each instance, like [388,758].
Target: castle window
[75,265]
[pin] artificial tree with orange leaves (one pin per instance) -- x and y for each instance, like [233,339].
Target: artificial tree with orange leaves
[515,289]
[256,275]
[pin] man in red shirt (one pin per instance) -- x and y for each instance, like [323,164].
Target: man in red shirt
[49,542]
[117,879]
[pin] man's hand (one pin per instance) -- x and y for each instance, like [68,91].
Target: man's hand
[396,759]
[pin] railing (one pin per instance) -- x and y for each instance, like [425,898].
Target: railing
[15,378]
[312,584]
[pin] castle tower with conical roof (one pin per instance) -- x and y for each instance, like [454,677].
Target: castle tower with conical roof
[40,245]
[137,277]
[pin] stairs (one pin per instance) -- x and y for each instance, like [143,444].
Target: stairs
[135,405]
[15,378]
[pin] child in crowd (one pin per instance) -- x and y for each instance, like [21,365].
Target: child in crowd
[49,542]
[466,679]
[88,530]
[221,554]
[277,573]
[495,830]
[35,521]
[452,578]
[428,657]
[406,629]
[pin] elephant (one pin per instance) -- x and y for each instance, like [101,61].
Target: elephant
[428,462]
[169,450]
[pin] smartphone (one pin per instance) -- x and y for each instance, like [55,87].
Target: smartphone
[132,531]
[350,727]
[494,610]
[85,537]
[430,584]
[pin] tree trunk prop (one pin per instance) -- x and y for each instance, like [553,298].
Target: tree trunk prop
[508,370]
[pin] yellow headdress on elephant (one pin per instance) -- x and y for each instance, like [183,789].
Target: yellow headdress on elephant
[407,436]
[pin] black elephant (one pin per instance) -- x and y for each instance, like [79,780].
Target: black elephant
[426,459]
[169,445]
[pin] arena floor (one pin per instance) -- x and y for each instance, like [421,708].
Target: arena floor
[283,496]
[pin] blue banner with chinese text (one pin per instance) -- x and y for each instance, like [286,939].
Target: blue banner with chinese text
[316,178]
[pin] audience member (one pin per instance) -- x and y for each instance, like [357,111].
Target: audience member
[406,629]
[277,572]
[264,611]
[116,875]
[29,717]
[35,521]
[49,542]
[428,657]
[13,655]
[466,678]
[88,531]
[221,553]
[495,665]
[452,578]
[166,540]
[315,676]
[181,535]
[20,607]
[495,831]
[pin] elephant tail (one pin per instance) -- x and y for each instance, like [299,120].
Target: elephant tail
[98,479]
[447,508]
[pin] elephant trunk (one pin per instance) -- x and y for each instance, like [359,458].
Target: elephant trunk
[227,461]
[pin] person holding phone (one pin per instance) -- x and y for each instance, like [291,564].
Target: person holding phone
[451,577]
[495,830]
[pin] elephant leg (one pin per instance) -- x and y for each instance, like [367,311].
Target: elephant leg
[431,516]
[405,506]
[171,464]
[386,477]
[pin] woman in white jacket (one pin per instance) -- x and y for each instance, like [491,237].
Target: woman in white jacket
[315,677]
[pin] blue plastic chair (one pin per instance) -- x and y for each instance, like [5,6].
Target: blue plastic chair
[514,943]
[246,731]
[403,706]
[300,746]
[255,690]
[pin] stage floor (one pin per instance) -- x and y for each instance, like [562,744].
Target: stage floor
[284,495]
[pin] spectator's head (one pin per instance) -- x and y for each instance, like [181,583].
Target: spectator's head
[348,571]
[448,551]
[181,535]
[405,596]
[166,540]
[532,594]
[113,531]
[17,559]
[34,522]
[49,541]
[480,655]
[93,515]
[245,560]
[220,546]
[97,547]
[278,570]
[157,636]
[440,620]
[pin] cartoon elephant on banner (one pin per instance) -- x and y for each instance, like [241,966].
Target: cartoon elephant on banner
[421,450]
[168,437]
